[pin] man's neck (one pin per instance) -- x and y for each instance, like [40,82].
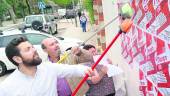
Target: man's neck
[30,71]
[54,58]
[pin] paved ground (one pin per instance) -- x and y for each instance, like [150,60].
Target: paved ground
[69,30]
[9,24]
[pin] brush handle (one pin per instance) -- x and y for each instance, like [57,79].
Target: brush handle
[93,67]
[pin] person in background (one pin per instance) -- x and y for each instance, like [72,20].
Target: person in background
[81,55]
[32,77]
[100,84]
[51,47]
[65,85]
[119,80]
[79,14]
[91,49]
[83,21]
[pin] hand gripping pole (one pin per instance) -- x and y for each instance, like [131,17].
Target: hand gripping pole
[124,28]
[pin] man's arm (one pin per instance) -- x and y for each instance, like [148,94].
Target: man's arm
[65,70]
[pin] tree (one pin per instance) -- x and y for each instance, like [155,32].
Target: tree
[3,9]
[11,9]
[65,3]
[21,8]
[88,4]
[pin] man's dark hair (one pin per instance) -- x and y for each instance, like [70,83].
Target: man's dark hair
[43,46]
[68,49]
[88,46]
[11,49]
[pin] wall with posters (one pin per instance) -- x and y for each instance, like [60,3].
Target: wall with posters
[126,84]
[147,46]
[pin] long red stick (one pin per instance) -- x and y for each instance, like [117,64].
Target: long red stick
[105,51]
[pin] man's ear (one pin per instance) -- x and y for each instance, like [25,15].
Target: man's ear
[45,50]
[17,59]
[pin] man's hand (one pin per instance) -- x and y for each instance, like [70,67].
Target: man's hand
[93,74]
[89,71]
[104,69]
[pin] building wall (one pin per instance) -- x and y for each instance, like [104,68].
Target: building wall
[131,76]
[149,45]
[99,21]
[143,52]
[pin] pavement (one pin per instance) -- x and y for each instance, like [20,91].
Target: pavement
[70,30]
[9,24]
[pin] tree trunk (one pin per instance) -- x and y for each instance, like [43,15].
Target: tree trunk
[32,3]
[1,23]
[14,8]
[12,14]
[28,5]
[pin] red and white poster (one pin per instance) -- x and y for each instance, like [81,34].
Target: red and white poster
[148,46]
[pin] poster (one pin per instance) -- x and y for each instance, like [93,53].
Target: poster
[148,46]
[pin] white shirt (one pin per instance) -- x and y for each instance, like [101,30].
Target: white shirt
[42,84]
[83,18]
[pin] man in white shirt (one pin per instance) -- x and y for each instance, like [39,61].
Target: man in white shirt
[32,78]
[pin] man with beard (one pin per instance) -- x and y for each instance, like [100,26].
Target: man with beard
[32,78]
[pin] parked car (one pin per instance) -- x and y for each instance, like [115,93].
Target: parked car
[61,13]
[70,13]
[35,37]
[48,22]
[57,15]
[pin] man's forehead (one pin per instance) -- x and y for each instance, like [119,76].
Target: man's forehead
[48,41]
[24,45]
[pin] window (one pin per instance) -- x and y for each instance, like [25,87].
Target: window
[35,39]
[1,41]
[51,17]
[47,18]
[6,39]
[30,19]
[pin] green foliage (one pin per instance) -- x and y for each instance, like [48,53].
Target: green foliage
[11,2]
[19,7]
[3,8]
[20,10]
[65,3]
[88,4]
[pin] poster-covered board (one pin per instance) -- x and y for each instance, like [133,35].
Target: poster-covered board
[147,46]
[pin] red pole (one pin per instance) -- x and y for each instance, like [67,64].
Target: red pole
[105,51]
